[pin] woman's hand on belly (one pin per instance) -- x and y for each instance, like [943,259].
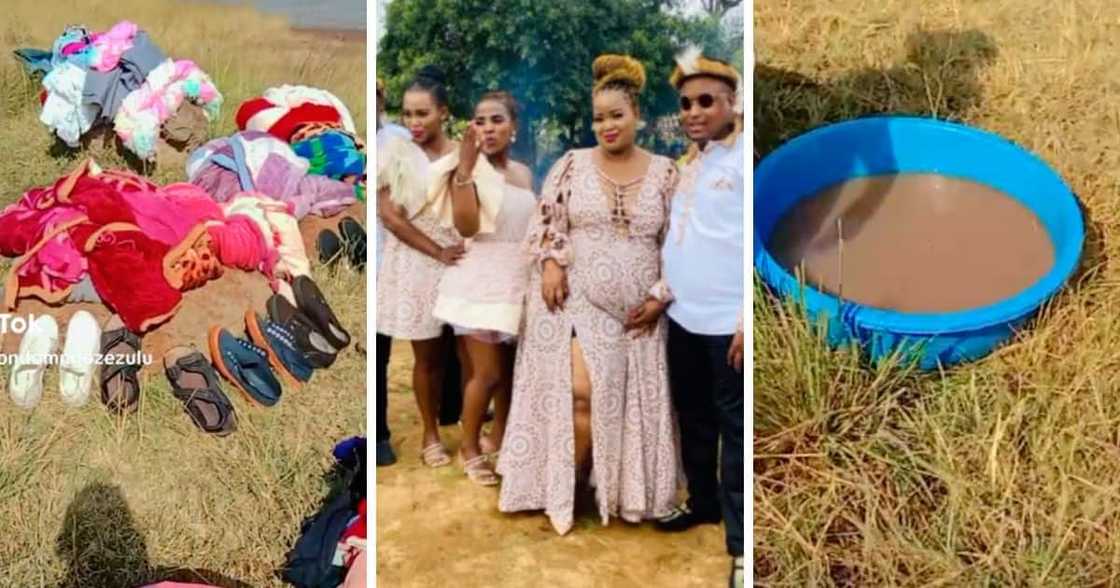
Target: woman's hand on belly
[643,318]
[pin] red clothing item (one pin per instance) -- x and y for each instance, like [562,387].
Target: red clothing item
[285,125]
[126,267]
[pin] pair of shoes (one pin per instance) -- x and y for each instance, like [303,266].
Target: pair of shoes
[683,518]
[76,365]
[249,365]
[316,331]
[349,242]
[385,454]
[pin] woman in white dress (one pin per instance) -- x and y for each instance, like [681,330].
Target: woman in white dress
[491,202]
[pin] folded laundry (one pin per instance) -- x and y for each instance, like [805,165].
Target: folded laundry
[120,77]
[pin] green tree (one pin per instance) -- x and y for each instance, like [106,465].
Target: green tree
[542,53]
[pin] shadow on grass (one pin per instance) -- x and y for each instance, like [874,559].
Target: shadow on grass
[938,77]
[101,140]
[103,549]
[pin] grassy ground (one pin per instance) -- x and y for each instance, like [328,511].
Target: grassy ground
[1005,472]
[90,500]
[436,528]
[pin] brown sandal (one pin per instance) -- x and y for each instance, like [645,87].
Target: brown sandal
[435,456]
[120,384]
[479,470]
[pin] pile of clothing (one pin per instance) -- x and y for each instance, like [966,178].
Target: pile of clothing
[121,77]
[139,245]
[316,125]
[331,550]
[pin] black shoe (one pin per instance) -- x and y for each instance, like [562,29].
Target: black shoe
[310,301]
[385,455]
[683,518]
[354,242]
[318,351]
[330,247]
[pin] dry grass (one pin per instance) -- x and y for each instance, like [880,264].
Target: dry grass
[89,500]
[1000,473]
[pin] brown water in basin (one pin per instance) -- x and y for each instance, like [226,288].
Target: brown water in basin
[914,243]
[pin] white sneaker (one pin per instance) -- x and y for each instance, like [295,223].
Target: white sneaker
[39,341]
[83,338]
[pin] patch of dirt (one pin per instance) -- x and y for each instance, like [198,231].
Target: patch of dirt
[434,527]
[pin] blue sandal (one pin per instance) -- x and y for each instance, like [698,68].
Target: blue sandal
[245,366]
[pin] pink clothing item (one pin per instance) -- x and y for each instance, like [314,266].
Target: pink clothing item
[270,168]
[280,230]
[171,213]
[144,110]
[238,242]
[356,577]
[635,455]
[485,291]
[58,263]
[111,45]
[179,585]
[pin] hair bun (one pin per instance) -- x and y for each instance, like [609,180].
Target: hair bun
[623,69]
[432,72]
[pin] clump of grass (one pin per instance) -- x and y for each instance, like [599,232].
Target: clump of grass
[87,499]
[1000,472]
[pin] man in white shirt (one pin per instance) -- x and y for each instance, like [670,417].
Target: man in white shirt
[703,287]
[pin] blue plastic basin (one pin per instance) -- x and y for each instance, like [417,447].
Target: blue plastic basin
[893,144]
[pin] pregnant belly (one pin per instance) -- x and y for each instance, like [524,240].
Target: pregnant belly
[616,279]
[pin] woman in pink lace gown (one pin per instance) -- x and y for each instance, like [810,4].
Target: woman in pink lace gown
[591,403]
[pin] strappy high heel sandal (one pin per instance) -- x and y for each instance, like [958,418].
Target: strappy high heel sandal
[435,455]
[479,470]
[488,447]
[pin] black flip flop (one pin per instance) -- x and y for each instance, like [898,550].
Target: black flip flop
[196,385]
[311,301]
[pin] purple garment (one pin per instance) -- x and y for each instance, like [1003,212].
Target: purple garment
[251,161]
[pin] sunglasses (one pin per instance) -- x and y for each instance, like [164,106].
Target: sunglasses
[704,100]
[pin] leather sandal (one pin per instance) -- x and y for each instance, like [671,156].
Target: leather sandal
[196,385]
[119,380]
